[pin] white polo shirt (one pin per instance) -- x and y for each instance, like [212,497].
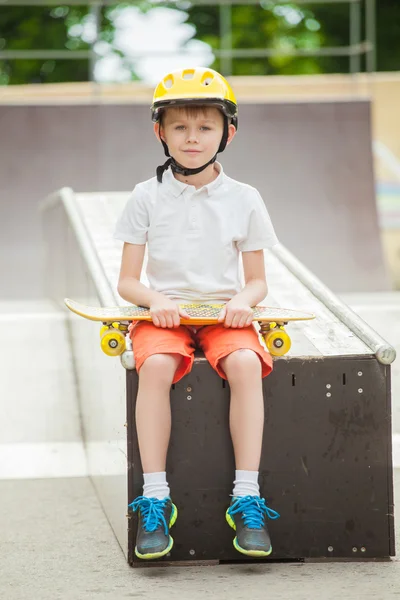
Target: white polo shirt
[195,237]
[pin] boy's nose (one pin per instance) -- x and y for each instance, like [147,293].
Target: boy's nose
[192,136]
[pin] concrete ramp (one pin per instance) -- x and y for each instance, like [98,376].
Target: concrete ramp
[311,161]
[316,176]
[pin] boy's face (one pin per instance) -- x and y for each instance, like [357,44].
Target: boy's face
[192,134]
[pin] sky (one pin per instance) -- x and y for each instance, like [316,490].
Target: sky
[153,35]
[152,42]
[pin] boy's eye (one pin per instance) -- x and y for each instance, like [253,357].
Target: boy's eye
[182,127]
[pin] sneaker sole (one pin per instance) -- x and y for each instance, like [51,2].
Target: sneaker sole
[152,556]
[256,553]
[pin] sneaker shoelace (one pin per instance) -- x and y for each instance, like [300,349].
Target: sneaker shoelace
[152,511]
[254,510]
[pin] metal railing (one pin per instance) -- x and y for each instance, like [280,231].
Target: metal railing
[226,53]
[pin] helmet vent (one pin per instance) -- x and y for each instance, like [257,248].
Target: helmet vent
[169,82]
[188,74]
[207,78]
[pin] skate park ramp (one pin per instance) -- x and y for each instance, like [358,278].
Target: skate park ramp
[311,161]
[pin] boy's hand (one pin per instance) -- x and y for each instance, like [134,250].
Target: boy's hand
[236,314]
[167,313]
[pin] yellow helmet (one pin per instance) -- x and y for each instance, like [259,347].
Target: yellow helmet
[194,86]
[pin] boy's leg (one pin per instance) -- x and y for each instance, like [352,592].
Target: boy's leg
[153,410]
[247,512]
[238,356]
[163,356]
[158,369]
[246,416]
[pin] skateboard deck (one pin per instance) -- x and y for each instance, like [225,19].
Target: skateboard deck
[200,314]
[115,319]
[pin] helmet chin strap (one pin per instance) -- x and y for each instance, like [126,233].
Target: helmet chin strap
[181,170]
[177,168]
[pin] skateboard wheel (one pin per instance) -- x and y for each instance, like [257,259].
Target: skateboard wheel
[278,342]
[128,360]
[113,342]
[103,329]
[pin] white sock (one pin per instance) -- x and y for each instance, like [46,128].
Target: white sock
[155,485]
[246,484]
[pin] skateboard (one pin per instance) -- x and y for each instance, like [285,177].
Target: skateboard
[116,320]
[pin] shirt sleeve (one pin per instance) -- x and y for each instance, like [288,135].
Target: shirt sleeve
[260,231]
[133,224]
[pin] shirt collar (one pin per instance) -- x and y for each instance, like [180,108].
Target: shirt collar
[177,187]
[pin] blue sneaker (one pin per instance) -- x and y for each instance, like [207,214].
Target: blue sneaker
[246,515]
[155,519]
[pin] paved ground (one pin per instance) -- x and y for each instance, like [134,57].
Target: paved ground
[56,544]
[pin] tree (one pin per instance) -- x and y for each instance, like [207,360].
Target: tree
[50,28]
[267,26]
[33,27]
[273,25]
[335,26]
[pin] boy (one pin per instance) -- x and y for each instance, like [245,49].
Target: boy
[195,221]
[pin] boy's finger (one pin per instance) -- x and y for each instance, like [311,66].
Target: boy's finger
[242,322]
[183,314]
[235,321]
[228,320]
[222,315]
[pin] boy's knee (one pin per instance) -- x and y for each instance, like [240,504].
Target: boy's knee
[241,362]
[160,366]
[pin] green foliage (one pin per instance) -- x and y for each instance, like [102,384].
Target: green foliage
[49,28]
[335,23]
[30,27]
[273,25]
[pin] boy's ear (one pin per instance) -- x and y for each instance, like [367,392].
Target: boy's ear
[231,133]
[159,132]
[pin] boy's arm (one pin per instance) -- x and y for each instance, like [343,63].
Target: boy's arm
[129,286]
[164,312]
[256,287]
[237,312]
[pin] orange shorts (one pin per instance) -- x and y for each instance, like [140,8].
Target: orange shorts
[216,341]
